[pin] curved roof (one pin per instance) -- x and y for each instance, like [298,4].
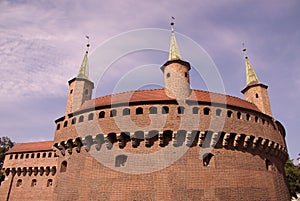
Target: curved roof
[31,147]
[160,95]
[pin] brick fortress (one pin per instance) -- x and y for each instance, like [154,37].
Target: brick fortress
[174,143]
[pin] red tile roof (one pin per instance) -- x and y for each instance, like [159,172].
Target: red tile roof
[160,95]
[31,147]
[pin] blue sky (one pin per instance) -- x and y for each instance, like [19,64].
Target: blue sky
[42,45]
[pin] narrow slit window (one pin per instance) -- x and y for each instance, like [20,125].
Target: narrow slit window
[49,182]
[33,183]
[63,167]
[19,182]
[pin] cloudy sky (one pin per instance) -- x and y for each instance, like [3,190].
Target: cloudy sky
[42,45]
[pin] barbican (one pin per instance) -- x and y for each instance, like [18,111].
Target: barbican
[173,143]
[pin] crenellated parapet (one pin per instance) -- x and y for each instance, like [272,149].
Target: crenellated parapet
[30,171]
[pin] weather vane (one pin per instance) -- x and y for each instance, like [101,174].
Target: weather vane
[88,43]
[172,22]
[244,50]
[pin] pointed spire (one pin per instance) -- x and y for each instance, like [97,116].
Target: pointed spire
[174,51]
[84,69]
[251,77]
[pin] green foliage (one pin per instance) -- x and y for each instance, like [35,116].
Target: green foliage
[293,177]
[5,145]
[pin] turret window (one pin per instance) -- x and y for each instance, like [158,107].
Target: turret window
[185,74]
[58,127]
[126,111]
[74,120]
[165,110]
[168,75]
[71,91]
[218,112]
[65,123]
[239,115]
[229,113]
[206,111]
[248,117]
[101,114]
[152,110]
[195,110]
[91,116]
[113,113]
[139,110]
[81,118]
[256,95]
[256,119]
[180,110]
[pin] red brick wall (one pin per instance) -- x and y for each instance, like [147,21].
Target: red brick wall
[231,175]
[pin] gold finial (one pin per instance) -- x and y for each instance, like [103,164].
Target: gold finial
[251,77]
[84,68]
[174,51]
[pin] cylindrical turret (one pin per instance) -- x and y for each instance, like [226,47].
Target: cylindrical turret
[177,79]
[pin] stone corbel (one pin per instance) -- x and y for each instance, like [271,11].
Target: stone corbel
[77,144]
[247,141]
[236,140]
[201,138]
[107,142]
[226,139]
[98,139]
